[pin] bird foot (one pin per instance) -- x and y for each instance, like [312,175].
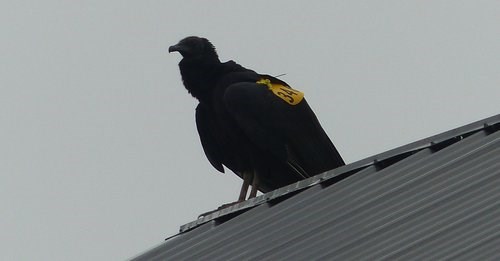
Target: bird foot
[229,204]
[220,208]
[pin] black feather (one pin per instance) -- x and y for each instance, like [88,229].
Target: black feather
[245,126]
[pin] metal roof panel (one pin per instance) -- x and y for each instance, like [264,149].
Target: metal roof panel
[433,199]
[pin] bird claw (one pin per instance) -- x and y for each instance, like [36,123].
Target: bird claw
[220,208]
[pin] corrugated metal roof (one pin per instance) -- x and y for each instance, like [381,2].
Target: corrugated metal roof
[438,198]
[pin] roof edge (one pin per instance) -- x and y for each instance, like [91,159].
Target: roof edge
[340,173]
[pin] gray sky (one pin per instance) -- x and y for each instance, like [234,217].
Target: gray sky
[99,155]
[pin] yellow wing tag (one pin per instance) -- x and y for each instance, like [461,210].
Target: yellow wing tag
[289,95]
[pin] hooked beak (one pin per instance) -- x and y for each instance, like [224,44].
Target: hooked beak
[176,48]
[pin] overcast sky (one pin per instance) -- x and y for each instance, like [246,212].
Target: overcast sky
[99,154]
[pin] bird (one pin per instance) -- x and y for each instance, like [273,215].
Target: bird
[254,124]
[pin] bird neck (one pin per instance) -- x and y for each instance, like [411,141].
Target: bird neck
[199,77]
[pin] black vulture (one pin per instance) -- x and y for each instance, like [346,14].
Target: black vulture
[254,124]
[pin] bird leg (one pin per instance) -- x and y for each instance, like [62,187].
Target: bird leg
[247,177]
[255,186]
